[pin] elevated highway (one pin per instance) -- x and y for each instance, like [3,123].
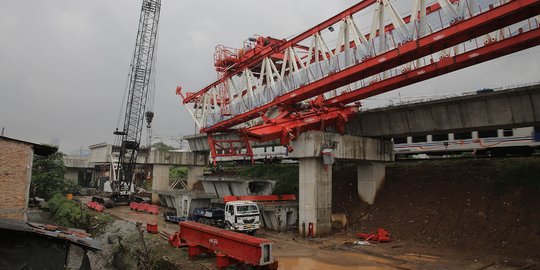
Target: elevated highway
[512,108]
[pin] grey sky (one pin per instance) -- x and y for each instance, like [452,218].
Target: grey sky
[63,63]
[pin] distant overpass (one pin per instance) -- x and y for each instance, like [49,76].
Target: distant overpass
[512,108]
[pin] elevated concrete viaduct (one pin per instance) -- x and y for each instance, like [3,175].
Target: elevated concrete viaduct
[518,107]
[161,162]
[367,142]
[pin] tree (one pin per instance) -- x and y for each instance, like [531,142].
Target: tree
[48,175]
[161,146]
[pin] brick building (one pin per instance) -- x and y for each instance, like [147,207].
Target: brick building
[16,158]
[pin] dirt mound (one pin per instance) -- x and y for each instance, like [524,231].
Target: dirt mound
[447,203]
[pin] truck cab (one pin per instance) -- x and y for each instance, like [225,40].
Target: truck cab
[242,216]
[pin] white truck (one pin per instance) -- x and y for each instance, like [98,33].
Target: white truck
[240,216]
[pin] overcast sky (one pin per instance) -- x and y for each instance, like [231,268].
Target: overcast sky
[64,63]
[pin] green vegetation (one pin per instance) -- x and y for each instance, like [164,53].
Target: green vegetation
[48,176]
[69,213]
[178,172]
[286,176]
[523,173]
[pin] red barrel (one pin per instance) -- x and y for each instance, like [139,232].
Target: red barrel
[152,227]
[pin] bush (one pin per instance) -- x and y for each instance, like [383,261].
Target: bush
[286,176]
[178,172]
[68,213]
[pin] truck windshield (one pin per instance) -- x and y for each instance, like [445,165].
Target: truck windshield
[247,209]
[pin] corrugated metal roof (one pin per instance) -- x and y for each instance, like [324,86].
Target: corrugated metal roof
[75,236]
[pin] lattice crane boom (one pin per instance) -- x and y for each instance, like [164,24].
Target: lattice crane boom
[128,140]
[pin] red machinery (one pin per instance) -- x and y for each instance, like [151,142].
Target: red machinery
[96,206]
[231,247]
[275,89]
[260,198]
[144,207]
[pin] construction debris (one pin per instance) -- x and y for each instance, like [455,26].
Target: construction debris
[382,235]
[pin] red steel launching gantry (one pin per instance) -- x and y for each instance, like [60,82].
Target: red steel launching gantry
[274,89]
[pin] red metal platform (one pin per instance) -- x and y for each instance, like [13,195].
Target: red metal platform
[231,247]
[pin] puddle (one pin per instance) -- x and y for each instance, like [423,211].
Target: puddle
[286,263]
[134,216]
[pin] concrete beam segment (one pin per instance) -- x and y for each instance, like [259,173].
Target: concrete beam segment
[160,180]
[311,144]
[178,158]
[199,142]
[315,200]
[371,177]
[518,107]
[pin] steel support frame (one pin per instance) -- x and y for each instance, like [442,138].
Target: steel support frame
[230,148]
[290,126]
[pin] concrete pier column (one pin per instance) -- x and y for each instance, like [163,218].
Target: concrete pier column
[315,202]
[160,180]
[193,174]
[370,179]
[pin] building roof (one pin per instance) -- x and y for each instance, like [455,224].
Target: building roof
[77,237]
[39,149]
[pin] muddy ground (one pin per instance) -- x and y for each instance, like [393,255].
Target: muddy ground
[441,215]
[457,208]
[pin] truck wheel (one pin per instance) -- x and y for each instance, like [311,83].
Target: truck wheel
[252,232]
[227,227]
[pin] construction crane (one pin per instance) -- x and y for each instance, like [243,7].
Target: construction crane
[128,139]
[273,89]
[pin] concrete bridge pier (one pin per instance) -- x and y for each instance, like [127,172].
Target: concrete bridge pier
[193,174]
[160,180]
[161,162]
[315,198]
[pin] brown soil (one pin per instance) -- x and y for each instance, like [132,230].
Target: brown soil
[451,204]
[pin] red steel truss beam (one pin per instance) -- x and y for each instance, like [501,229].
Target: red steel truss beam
[294,42]
[269,50]
[272,131]
[260,198]
[446,65]
[462,31]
